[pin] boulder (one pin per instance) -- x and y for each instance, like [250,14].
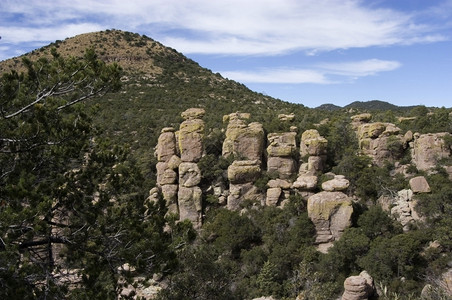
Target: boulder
[281,144]
[169,192]
[305,182]
[428,149]
[359,287]
[361,118]
[190,205]
[174,162]
[381,141]
[279,183]
[338,183]
[419,185]
[273,195]
[240,192]
[286,117]
[191,134]
[166,145]
[189,174]
[285,167]
[165,175]
[193,113]
[312,143]
[331,214]
[243,171]
[242,139]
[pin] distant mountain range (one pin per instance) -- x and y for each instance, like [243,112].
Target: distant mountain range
[373,105]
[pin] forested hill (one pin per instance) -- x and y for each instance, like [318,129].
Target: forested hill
[158,83]
[127,170]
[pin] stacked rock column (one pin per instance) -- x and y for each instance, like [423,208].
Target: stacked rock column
[313,155]
[190,136]
[168,163]
[280,152]
[246,142]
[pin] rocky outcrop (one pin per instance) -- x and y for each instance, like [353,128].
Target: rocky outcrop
[403,209]
[189,195]
[167,166]
[338,183]
[359,287]
[428,149]
[331,214]
[191,133]
[166,145]
[241,176]
[419,185]
[243,140]
[281,151]
[381,141]
[312,144]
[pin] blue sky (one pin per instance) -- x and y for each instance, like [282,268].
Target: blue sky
[303,51]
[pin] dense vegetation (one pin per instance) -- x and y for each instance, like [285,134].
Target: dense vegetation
[75,173]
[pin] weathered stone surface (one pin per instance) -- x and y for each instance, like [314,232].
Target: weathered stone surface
[381,141]
[331,214]
[243,171]
[285,167]
[166,145]
[153,195]
[419,185]
[281,144]
[193,113]
[305,182]
[279,183]
[174,162]
[286,117]
[240,192]
[427,149]
[359,287]
[169,192]
[165,175]
[363,118]
[338,183]
[189,174]
[371,130]
[191,133]
[312,143]
[190,205]
[273,195]
[242,139]
[316,164]
[404,209]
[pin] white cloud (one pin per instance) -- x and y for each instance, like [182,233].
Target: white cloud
[360,68]
[320,74]
[278,76]
[265,27]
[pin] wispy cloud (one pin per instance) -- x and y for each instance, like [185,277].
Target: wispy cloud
[236,27]
[331,73]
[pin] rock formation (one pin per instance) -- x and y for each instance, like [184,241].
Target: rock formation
[403,209]
[178,176]
[313,155]
[331,214]
[167,166]
[381,141]
[245,141]
[191,133]
[189,195]
[241,176]
[419,185]
[281,150]
[428,149]
[359,287]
